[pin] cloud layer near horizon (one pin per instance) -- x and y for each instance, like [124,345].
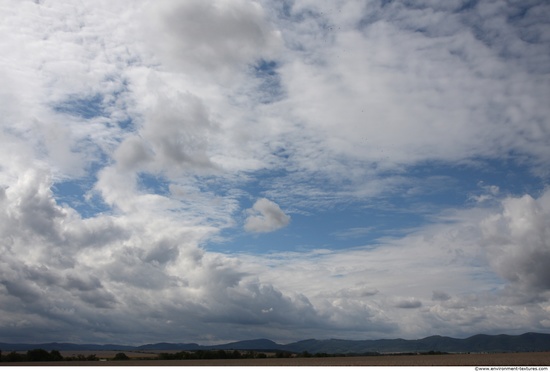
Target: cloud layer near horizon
[135,135]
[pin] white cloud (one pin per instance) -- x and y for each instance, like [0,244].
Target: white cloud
[490,192]
[419,96]
[265,216]
[518,241]
[354,232]
[218,37]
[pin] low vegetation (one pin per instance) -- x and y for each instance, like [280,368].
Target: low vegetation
[36,355]
[41,355]
[271,358]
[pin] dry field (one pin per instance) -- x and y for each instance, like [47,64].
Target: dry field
[497,359]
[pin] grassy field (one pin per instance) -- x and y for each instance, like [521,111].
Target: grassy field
[497,359]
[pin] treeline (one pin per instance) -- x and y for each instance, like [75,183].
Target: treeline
[36,355]
[235,354]
[223,354]
[41,355]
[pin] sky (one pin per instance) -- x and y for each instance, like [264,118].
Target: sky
[218,170]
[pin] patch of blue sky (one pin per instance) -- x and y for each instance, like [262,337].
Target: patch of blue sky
[290,13]
[352,227]
[111,106]
[431,188]
[84,107]
[518,10]
[236,240]
[466,5]
[126,124]
[254,184]
[283,8]
[461,180]
[79,194]
[153,184]
[270,88]
[328,229]
[74,194]
[266,68]
[511,176]
[339,227]
[115,104]
[519,20]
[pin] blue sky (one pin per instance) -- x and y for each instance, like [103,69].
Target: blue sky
[211,171]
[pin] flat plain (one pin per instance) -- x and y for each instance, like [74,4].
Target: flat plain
[491,359]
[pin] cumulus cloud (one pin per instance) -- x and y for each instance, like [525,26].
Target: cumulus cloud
[265,216]
[53,268]
[518,239]
[174,135]
[217,36]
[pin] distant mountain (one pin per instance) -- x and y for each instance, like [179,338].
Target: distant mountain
[261,344]
[475,344]
[168,346]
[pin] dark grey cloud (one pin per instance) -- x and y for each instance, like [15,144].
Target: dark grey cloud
[27,292]
[133,153]
[41,274]
[97,233]
[98,298]
[38,212]
[411,303]
[127,269]
[163,253]
[82,283]
[440,296]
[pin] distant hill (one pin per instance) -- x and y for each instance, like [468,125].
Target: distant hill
[474,344]
[261,344]
[169,346]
